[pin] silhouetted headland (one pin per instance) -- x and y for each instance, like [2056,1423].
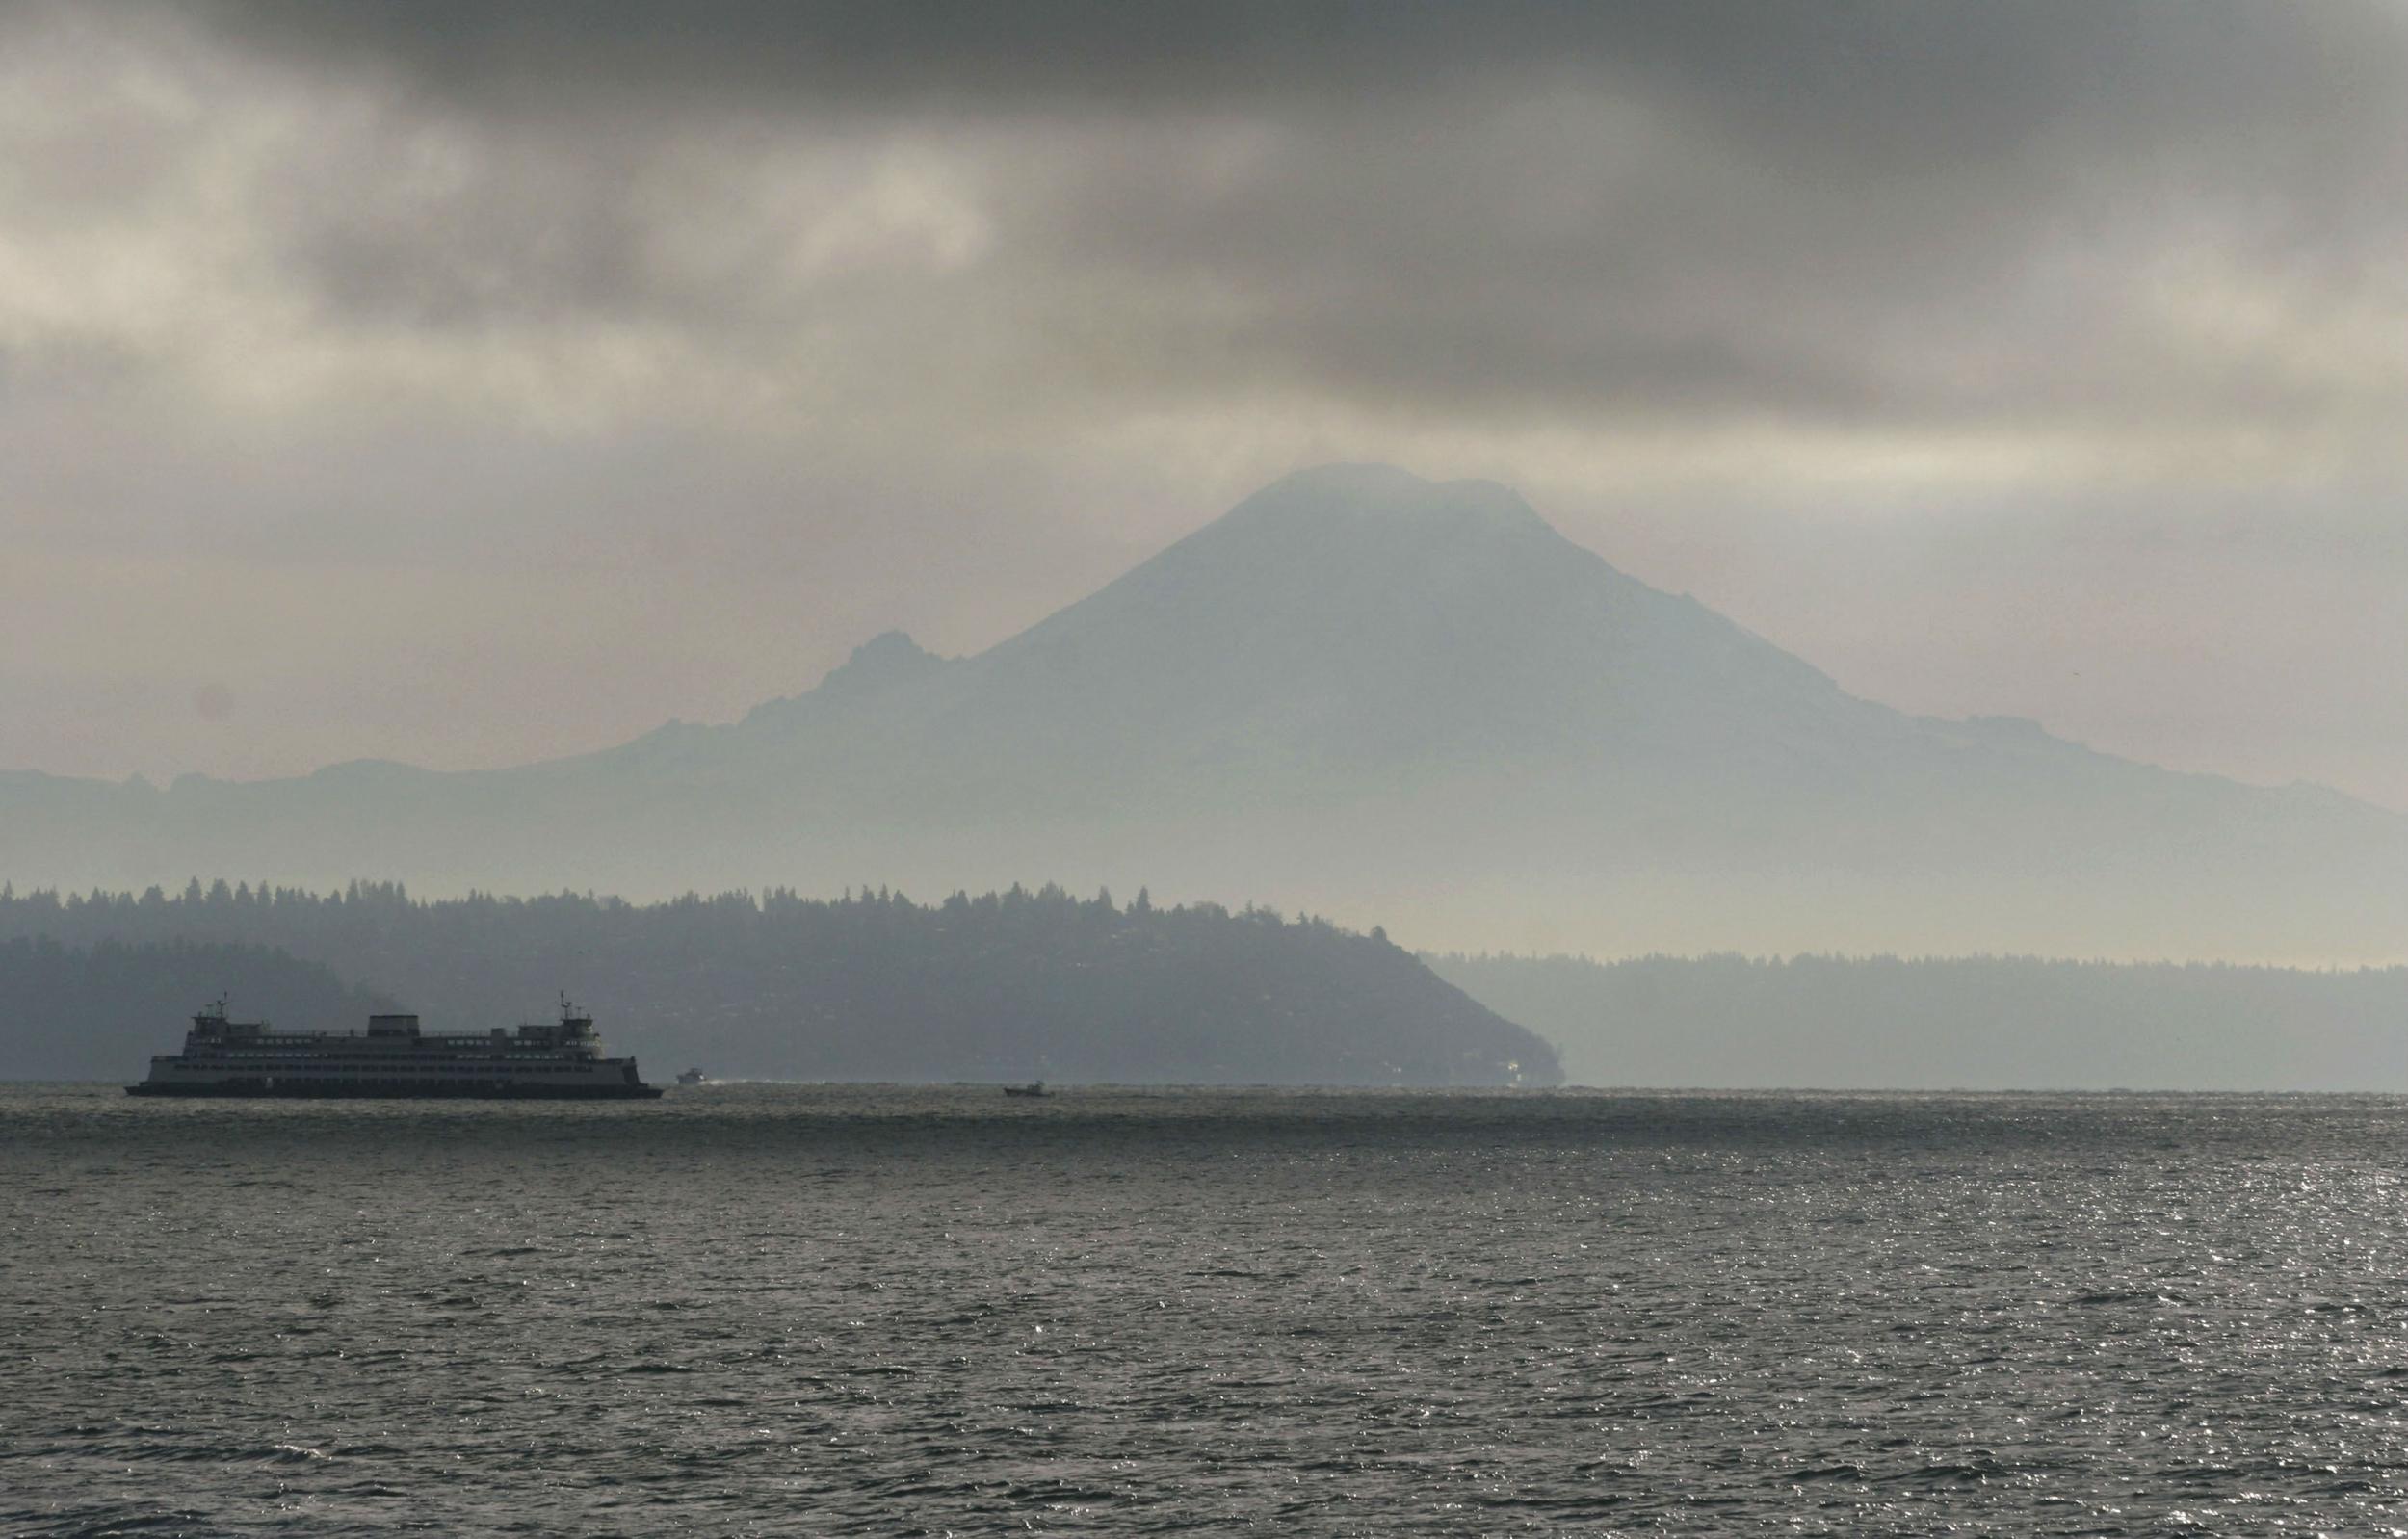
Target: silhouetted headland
[1009,986]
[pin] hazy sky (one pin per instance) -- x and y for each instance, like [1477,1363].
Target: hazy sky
[465,383]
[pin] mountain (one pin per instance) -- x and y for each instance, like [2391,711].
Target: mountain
[1371,694]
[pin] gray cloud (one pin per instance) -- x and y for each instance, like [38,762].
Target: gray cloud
[1903,209]
[808,292]
[1935,81]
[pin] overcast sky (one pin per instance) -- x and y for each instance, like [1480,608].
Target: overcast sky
[465,384]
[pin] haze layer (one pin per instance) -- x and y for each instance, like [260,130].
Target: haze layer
[1371,695]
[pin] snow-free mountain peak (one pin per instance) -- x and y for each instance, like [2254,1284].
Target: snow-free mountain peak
[1357,620]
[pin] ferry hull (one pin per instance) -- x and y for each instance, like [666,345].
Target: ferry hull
[374,1090]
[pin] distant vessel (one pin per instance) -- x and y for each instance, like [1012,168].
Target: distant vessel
[556,1060]
[694,1077]
[1033,1088]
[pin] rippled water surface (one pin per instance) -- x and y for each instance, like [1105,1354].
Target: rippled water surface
[845,1309]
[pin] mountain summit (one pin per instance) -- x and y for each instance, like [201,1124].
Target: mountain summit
[1381,697]
[1356,620]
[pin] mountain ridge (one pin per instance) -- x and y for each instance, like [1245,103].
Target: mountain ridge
[1372,694]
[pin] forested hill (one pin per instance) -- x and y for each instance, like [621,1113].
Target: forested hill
[98,1012]
[1953,1022]
[1012,985]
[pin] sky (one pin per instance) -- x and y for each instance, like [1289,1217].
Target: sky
[468,384]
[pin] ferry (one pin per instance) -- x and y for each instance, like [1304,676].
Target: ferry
[555,1060]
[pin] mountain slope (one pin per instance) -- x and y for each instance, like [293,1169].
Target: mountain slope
[1379,696]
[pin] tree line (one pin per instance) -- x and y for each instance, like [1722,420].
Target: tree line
[1023,983]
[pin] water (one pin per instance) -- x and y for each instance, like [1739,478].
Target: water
[805,1310]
